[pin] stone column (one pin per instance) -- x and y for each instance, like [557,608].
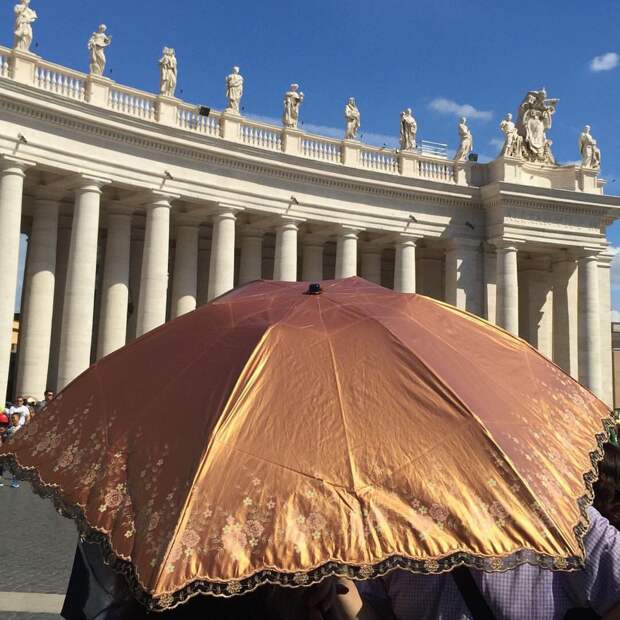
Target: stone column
[536,301]
[507,287]
[38,305]
[404,266]
[371,263]
[11,188]
[154,274]
[222,263]
[135,269]
[185,277]
[604,266]
[62,261]
[464,275]
[312,262]
[489,267]
[251,261]
[285,259]
[204,259]
[78,307]
[589,323]
[115,286]
[346,254]
[565,320]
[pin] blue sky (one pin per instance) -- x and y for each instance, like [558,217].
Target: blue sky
[433,55]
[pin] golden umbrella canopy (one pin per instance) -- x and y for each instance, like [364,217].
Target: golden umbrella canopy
[274,436]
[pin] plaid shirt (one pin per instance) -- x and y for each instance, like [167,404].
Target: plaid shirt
[524,593]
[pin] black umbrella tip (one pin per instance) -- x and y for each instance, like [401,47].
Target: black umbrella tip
[314,289]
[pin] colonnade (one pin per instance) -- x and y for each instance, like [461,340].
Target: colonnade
[563,316]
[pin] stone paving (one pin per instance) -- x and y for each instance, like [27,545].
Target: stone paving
[36,547]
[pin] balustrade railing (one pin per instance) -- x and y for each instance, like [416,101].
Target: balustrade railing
[429,162]
[322,149]
[262,136]
[436,170]
[59,80]
[134,103]
[189,118]
[380,159]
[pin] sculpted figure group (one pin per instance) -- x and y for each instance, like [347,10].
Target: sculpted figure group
[526,139]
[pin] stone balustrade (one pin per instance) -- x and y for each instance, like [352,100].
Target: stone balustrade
[33,70]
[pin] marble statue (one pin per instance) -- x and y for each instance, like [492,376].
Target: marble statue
[292,102]
[168,67]
[590,153]
[408,130]
[353,118]
[466,141]
[24,18]
[234,90]
[535,118]
[513,142]
[96,44]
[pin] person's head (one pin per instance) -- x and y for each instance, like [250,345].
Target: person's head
[607,487]
[49,395]
[102,28]
[509,116]
[463,120]
[408,110]
[19,401]
[294,87]
[14,419]
[235,70]
[586,129]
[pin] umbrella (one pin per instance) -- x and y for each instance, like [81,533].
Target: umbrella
[277,436]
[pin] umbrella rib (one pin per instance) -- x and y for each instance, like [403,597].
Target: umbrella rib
[339,392]
[438,376]
[486,430]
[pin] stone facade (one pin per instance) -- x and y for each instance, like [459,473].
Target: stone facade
[138,209]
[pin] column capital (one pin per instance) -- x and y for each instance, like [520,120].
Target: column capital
[160,199]
[409,239]
[507,244]
[87,183]
[349,232]
[14,165]
[227,210]
[289,223]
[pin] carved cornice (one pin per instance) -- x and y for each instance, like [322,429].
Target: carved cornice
[317,176]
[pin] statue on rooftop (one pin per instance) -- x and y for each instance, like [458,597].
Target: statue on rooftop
[24,18]
[408,130]
[353,118]
[513,142]
[535,118]
[168,67]
[234,90]
[96,44]
[292,102]
[590,153]
[466,141]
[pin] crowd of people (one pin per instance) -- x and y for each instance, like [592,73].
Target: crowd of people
[14,416]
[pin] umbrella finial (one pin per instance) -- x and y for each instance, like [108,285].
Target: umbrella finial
[314,289]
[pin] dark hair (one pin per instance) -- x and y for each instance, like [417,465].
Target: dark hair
[607,487]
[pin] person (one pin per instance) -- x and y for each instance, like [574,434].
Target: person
[21,409]
[24,18]
[96,592]
[408,130]
[8,433]
[48,397]
[521,593]
[607,487]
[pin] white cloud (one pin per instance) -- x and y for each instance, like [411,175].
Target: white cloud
[605,62]
[447,106]
[498,142]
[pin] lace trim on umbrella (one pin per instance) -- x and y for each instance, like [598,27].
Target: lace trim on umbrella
[307,578]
